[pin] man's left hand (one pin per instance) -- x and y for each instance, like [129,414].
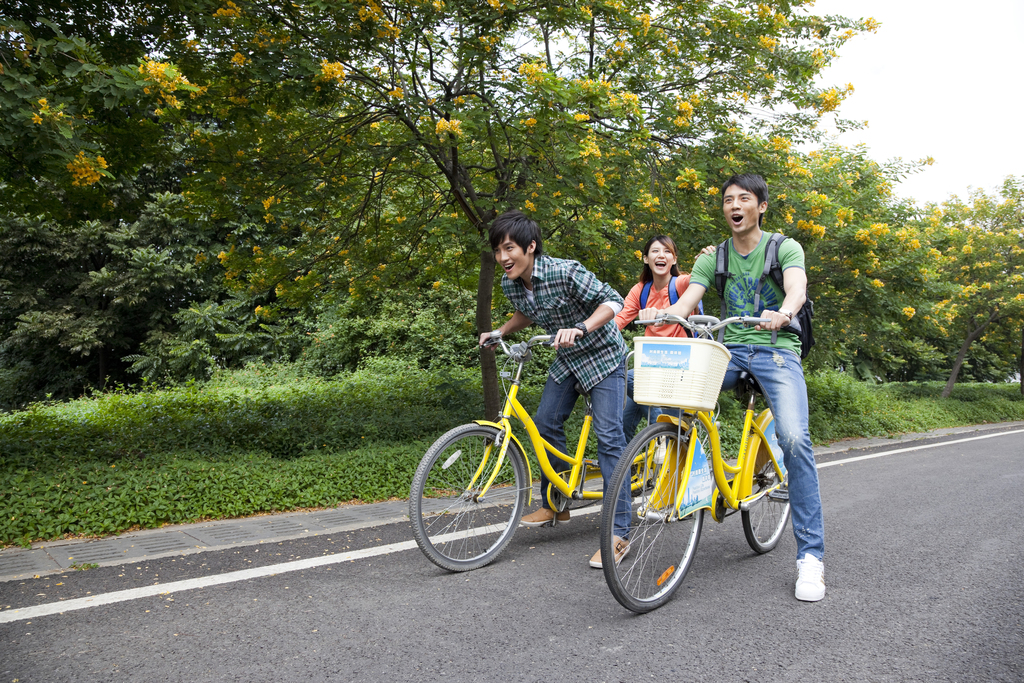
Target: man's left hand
[777,321]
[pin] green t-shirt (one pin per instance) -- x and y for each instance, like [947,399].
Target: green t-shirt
[739,290]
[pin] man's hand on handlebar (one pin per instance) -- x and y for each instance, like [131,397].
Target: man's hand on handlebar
[490,338]
[566,337]
[776,321]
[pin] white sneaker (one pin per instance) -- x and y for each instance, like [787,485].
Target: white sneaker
[810,580]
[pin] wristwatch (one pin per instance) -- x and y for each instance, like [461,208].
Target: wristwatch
[582,327]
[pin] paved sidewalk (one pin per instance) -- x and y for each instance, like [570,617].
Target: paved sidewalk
[184,539]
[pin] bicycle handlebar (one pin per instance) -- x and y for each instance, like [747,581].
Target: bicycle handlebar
[703,324]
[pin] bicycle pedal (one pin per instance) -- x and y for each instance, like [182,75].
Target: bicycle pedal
[779,494]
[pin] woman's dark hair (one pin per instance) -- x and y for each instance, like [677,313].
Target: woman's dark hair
[646,275]
[517,227]
[751,183]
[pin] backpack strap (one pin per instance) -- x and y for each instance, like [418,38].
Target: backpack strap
[644,293]
[772,268]
[673,294]
[722,276]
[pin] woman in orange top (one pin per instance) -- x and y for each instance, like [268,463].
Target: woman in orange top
[660,265]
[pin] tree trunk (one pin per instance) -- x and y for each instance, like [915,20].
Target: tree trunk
[958,363]
[488,364]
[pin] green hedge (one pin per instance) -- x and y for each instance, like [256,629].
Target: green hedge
[268,439]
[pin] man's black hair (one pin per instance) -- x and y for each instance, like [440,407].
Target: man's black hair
[750,182]
[518,227]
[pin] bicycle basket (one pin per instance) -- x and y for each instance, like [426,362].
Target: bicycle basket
[678,372]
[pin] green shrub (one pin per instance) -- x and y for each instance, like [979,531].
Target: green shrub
[271,438]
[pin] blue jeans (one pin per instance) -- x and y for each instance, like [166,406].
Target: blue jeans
[781,377]
[556,405]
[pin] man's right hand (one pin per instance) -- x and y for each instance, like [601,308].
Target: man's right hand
[489,338]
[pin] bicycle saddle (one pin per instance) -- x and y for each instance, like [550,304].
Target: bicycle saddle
[746,384]
[581,391]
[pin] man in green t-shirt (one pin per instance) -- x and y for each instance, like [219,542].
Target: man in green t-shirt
[775,365]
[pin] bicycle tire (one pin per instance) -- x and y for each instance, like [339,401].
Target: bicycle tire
[454,529]
[765,520]
[661,546]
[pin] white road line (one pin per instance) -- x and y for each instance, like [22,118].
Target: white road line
[8,616]
[190,584]
[914,448]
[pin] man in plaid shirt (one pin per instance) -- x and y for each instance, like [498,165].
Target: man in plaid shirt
[576,308]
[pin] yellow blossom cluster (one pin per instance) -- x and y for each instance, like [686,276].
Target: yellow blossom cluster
[239,59]
[533,72]
[811,227]
[877,283]
[581,117]
[688,177]
[909,312]
[453,127]
[84,170]
[830,99]
[844,216]
[589,146]
[396,93]
[166,80]
[768,43]
[331,71]
[230,10]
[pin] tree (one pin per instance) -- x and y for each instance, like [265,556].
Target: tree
[984,263]
[413,125]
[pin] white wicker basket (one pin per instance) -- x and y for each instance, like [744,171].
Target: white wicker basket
[678,372]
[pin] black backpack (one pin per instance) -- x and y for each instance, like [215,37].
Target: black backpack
[801,323]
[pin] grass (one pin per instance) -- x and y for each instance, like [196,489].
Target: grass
[267,440]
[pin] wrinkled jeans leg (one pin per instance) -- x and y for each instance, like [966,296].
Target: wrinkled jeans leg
[606,400]
[556,404]
[781,377]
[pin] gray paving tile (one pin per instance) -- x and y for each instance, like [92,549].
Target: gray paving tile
[18,563]
[96,552]
[226,535]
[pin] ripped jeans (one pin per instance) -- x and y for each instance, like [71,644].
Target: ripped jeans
[781,377]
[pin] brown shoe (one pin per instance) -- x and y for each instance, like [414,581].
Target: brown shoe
[621,550]
[544,517]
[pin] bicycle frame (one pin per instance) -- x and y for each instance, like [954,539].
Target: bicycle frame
[733,482]
[543,450]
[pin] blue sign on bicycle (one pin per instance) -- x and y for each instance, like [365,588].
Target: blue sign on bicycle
[701,482]
[673,356]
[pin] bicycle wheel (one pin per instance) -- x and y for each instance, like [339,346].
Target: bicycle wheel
[765,520]
[454,528]
[661,546]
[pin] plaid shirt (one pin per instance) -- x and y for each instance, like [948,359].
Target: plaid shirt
[566,293]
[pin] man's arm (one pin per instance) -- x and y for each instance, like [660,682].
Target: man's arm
[794,281]
[517,322]
[687,302]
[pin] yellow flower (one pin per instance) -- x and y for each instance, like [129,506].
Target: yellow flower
[878,283]
[581,117]
[86,171]
[639,255]
[239,59]
[36,118]
[909,312]
[530,206]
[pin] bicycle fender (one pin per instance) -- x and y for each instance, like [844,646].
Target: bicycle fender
[529,470]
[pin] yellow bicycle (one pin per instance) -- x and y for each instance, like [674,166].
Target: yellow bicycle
[674,482]
[473,483]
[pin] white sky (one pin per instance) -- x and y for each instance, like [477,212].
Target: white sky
[942,79]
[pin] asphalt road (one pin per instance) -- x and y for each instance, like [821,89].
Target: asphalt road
[923,566]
